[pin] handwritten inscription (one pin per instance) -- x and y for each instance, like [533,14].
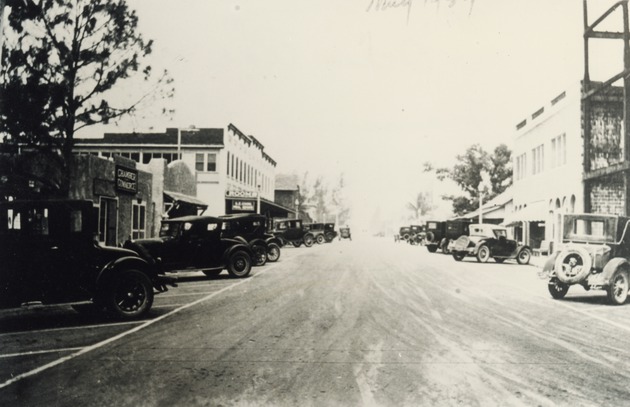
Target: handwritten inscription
[384,5]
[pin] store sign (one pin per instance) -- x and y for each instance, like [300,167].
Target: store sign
[245,206]
[240,194]
[126,179]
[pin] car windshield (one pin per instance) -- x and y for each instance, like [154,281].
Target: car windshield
[170,229]
[589,228]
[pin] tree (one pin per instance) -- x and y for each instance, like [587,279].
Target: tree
[475,165]
[421,206]
[61,62]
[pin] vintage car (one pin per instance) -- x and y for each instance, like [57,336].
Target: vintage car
[490,241]
[50,254]
[292,231]
[318,231]
[434,234]
[344,233]
[403,233]
[416,234]
[330,232]
[253,228]
[594,253]
[195,242]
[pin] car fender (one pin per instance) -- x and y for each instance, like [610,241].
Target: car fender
[612,266]
[235,248]
[125,263]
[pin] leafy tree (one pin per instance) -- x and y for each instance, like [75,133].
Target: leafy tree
[61,62]
[474,166]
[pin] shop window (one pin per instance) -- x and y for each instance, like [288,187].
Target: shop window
[138,221]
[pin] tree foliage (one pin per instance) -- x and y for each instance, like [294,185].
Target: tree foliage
[61,61]
[478,172]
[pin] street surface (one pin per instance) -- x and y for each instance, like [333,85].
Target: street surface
[367,322]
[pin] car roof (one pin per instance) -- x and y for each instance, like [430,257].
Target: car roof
[193,219]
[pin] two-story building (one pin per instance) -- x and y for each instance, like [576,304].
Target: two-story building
[547,168]
[233,173]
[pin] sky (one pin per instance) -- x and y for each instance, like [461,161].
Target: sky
[355,87]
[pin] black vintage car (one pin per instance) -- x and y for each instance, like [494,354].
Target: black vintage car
[435,232]
[490,241]
[317,230]
[195,242]
[49,254]
[253,228]
[292,231]
[594,253]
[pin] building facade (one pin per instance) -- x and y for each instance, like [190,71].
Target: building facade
[547,169]
[232,171]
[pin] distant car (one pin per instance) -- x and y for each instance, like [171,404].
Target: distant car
[490,241]
[344,233]
[292,231]
[195,242]
[49,254]
[404,232]
[318,230]
[253,228]
[594,253]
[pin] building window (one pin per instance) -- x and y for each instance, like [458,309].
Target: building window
[538,159]
[559,150]
[138,218]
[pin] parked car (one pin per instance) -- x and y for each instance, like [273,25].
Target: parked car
[195,242]
[292,231]
[50,254]
[594,253]
[490,241]
[404,232]
[318,230]
[435,232]
[253,228]
[344,233]
[329,232]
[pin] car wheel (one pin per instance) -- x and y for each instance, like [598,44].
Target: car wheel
[459,256]
[557,289]
[309,240]
[239,264]
[296,244]
[499,259]
[273,252]
[618,288]
[129,294]
[573,265]
[483,254]
[524,256]
[212,273]
[432,248]
[321,239]
[260,255]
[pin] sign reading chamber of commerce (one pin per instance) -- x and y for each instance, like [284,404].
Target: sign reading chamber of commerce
[246,206]
[126,179]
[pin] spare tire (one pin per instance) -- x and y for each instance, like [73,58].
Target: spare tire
[573,265]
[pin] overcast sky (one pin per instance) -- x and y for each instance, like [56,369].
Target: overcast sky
[333,86]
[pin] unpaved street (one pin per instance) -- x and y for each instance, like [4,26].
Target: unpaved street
[362,322]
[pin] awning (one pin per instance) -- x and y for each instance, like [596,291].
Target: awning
[533,212]
[191,200]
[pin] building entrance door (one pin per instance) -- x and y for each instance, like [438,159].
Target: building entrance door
[107,221]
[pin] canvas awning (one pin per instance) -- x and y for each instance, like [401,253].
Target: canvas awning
[187,199]
[533,212]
